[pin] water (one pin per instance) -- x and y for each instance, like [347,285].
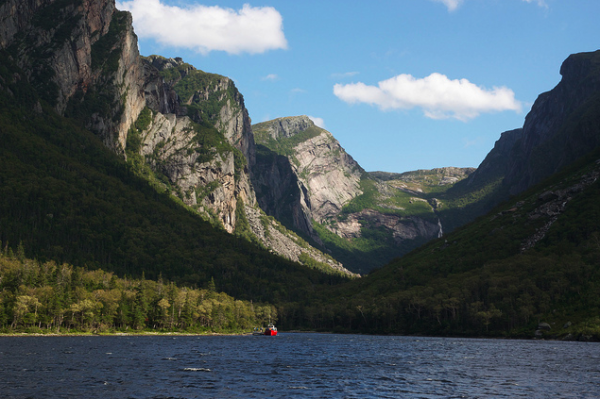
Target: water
[295,366]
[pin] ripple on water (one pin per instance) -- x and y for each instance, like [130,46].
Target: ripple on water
[296,365]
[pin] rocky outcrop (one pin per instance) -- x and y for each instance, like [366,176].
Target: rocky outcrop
[278,190]
[329,175]
[553,203]
[208,185]
[206,173]
[559,128]
[304,177]
[402,228]
[563,125]
[443,176]
[81,56]
[71,49]
[307,164]
[496,163]
[286,243]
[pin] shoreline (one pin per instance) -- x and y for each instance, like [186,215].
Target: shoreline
[122,334]
[589,339]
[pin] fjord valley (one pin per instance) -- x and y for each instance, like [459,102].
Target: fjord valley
[135,193]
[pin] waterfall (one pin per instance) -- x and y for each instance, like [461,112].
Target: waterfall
[441,232]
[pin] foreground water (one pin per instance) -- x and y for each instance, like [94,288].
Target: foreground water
[295,365]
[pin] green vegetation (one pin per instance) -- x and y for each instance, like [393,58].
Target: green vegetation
[374,248]
[201,108]
[51,298]
[172,75]
[69,199]
[476,281]
[91,243]
[283,145]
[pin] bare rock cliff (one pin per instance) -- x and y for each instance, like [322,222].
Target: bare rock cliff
[319,175]
[306,179]
[71,49]
[188,128]
[563,125]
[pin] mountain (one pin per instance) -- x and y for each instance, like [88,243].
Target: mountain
[199,141]
[149,168]
[305,179]
[528,266]
[561,127]
[103,165]
[186,131]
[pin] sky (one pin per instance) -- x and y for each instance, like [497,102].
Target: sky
[403,85]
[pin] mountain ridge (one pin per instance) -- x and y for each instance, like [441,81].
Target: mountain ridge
[354,215]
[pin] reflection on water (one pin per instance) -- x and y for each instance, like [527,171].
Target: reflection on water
[295,365]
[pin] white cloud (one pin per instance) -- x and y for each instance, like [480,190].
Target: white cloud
[271,77]
[541,3]
[204,29]
[451,4]
[317,121]
[297,90]
[438,96]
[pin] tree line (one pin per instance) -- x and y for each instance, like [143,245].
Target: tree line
[59,298]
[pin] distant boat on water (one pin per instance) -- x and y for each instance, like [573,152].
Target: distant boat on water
[270,331]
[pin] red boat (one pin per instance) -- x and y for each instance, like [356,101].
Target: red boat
[271,330]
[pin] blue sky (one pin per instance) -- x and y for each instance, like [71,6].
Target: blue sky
[403,85]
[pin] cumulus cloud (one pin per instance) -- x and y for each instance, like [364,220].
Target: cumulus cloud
[438,96]
[204,29]
[317,121]
[451,4]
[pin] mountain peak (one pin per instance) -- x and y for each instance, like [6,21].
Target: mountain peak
[286,127]
[578,67]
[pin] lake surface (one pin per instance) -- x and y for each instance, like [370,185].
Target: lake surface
[295,366]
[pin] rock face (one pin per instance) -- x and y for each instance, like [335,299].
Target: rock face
[552,203]
[189,127]
[308,175]
[496,163]
[546,146]
[561,127]
[210,185]
[401,228]
[70,49]
[195,149]
[305,178]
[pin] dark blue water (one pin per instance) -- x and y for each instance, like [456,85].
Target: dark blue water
[295,365]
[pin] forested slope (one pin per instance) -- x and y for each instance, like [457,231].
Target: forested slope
[66,197]
[529,267]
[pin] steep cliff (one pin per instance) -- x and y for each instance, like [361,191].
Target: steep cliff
[563,125]
[303,171]
[187,131]
[306,179]
[82,58]
[197,134]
